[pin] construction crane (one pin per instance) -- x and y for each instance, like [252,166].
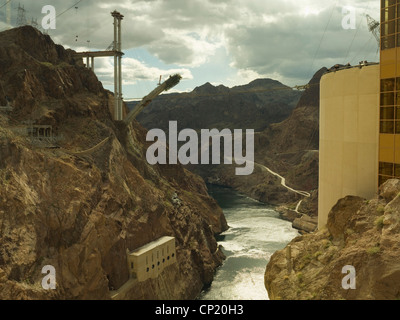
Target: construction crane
[373,27]
[165,86]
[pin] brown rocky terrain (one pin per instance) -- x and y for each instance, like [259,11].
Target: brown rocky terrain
[252,106]
[80,211]
[360,233]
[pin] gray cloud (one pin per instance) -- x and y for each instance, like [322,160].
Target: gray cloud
[266,37]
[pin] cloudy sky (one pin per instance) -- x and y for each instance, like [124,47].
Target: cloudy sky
[229,42]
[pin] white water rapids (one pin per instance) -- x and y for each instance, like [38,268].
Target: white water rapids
[255,233]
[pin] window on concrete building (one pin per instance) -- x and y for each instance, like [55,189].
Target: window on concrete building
[397,129]
[383,179]
[387,85]
[397,170]
[388,28]
[387,99]
[387,3]
[397,113]
[388,42]
[387,113]
[388,12]
[386,169]
[387,127]
[131,265]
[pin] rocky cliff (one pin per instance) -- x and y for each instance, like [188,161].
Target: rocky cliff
[360,233]
[80,200]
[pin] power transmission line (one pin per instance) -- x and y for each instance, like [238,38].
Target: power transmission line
[72,7]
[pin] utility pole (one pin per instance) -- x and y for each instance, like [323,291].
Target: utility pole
[21,17]
[34,23]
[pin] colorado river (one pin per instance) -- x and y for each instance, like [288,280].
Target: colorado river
[255,233]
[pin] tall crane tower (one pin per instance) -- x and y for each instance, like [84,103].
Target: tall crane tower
[373,27]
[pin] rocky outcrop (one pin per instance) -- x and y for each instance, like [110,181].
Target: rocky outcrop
[81,211]
[360,233]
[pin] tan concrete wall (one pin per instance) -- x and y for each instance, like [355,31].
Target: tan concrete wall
[349,136]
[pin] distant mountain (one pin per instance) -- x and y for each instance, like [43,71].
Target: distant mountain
[252,106]
[289,148]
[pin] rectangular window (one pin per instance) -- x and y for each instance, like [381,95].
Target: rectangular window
[387,99]
[387,113]
[388,13]
[131,265]
[386,169]
[387,127]
[388,28]
[387,85]
[387,3]
[398,10]
[383,179]
[397,170]
[388,42]
[397,127]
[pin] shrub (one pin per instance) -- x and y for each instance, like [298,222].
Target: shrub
[373,250]
[379,222]
[381,209]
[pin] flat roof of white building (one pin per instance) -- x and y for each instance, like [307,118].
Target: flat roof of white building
[150,246]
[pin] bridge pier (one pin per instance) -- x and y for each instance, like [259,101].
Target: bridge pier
[117,54]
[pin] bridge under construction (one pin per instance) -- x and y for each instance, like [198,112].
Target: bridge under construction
[115,50]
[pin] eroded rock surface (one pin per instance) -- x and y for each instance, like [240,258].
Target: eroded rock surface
[360,233]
